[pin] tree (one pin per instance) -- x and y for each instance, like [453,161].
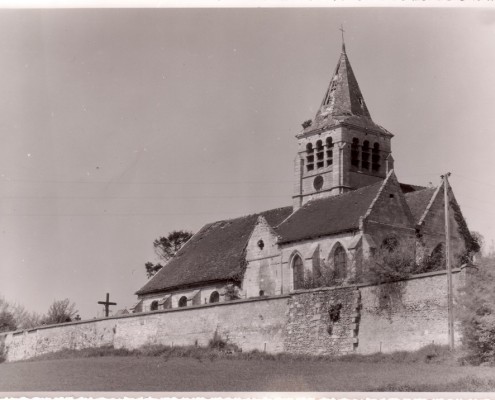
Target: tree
[476,312]
[14,316]
[165,248]
[60,311]
[393,261]
[7,321]
[386,268]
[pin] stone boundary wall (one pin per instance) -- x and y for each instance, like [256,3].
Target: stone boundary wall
[323,321]
[251,324]
[334,320]
[414,316]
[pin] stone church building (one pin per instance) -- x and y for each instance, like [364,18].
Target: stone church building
[347,204]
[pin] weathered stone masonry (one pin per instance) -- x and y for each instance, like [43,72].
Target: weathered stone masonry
[323,321]
[335,320]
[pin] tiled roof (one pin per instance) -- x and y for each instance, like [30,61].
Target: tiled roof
[328,215]
[418,201]
[215,253]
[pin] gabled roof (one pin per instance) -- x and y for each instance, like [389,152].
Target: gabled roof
[343,101]
[215,253]
[329,215]
[418,201]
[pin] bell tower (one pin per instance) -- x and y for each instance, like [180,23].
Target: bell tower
[341,148]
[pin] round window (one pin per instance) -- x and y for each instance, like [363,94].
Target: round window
[318,182]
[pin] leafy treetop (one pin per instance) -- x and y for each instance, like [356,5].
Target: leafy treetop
[165,248]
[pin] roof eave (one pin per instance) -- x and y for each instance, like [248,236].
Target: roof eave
[310,132]
[184,286]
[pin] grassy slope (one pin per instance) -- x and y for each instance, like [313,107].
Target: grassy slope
[151,373]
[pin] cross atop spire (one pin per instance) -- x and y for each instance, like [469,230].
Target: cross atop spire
[341,29]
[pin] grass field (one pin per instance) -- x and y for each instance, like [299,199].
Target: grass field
[152,373]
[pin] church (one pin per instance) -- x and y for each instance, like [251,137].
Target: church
[347,204]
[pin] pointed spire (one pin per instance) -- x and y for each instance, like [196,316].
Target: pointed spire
[343,98]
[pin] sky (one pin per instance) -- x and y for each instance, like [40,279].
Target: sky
[119,126]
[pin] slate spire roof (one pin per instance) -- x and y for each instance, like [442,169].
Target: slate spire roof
[343,100]
[343,96]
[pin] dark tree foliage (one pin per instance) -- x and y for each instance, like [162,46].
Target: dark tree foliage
[165,248]
[232,292]
[7,321]
[393,261]
[22,319]
[476,312]
[60,311]
[473,242]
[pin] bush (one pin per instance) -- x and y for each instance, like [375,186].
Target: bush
[307,123]
[3,355]
[217,342]
[232,292]
[476,311]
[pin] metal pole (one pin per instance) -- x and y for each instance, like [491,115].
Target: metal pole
[450,302]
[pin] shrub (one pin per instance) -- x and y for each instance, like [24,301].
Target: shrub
[307,123]
[324,275]
[232,292]
[393,262]
[476,311]
[217,342]
[3,351]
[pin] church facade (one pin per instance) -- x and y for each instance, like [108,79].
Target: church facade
[347,205]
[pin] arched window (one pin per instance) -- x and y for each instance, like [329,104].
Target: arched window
[375,157]
[329,151]
[319,154]
[340,263]
[310,157]
[183,301]
[298,271]
[365,155]
[214,297]
[355,152]
[154,306]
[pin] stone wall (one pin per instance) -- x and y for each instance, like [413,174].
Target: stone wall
[413,315]
[323,321]
[334,320]
[26,344]
[251,324]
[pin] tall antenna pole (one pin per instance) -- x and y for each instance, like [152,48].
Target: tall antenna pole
[450,297]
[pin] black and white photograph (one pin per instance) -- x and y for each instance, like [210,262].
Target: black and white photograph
[292,200]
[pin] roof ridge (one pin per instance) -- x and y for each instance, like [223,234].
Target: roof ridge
[430,203]
[247,215]
[336,196]
[380,190]
[420,191]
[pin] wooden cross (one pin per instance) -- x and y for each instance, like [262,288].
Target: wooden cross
[107,303]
